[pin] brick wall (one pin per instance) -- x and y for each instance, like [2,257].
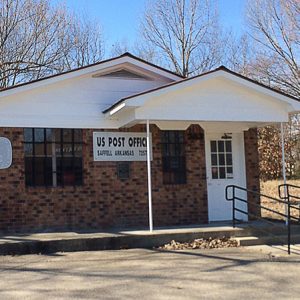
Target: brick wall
[103,201]
[252,170]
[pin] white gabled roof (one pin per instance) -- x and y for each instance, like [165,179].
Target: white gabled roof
[137,100]
[126,59]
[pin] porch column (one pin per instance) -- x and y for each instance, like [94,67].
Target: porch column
[283,164]
[149,178]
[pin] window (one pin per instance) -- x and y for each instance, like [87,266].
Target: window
[221,159]
[173,157]
[53,157]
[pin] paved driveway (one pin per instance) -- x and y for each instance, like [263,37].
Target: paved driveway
[238,273]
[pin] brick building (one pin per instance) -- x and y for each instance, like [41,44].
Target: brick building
[79,146]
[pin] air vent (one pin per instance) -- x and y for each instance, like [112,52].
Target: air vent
[123,73]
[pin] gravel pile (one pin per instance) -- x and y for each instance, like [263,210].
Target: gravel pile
[209,243]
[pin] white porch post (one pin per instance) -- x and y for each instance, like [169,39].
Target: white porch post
[283,164]
[149,178]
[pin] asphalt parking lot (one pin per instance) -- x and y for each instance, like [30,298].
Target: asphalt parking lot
[234,273]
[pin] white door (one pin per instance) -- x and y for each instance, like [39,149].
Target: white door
[225,165]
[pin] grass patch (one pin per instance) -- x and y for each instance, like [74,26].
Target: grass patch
[270,188]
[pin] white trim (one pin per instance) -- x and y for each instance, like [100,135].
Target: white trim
[218,208]
[283,167]
[116,109]
[149,178]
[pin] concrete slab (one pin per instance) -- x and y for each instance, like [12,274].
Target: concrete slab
[47,236]
[125,239]
[266,240]
[74,241]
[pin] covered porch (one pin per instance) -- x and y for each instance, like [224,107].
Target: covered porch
[228,108]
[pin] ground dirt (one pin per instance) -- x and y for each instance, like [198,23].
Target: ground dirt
[270,188]
[209,243]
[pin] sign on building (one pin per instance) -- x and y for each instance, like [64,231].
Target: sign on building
[120,146]
[5,153]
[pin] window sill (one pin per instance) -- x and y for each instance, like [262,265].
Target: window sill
[52,188]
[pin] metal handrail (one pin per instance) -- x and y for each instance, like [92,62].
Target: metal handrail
[287,191]
[286,200]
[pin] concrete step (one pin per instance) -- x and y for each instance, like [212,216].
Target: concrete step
[262,229]
[266,240]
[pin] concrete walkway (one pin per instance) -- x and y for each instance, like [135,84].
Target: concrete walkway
[82,241]
[252,233]
[236,273]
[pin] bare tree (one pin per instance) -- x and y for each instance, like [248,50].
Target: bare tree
[25,33]
[119,48]
[38,39]
[275,26]
[186,32]
[141,50]
[239,55]
[147,52]
[85,42]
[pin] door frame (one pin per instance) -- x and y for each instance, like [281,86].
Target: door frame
[239,171]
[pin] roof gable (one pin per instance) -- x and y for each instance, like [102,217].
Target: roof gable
[219,96]
[221,71]
[125,58]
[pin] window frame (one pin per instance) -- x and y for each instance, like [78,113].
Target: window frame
[53,156]
[173,152]
[219,164]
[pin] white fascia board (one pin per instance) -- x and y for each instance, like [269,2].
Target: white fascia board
[55,122]
[89,70]
[117,108]
[232,127]
[120,109]
[277,119]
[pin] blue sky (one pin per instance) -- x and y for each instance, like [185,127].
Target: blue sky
[120,18]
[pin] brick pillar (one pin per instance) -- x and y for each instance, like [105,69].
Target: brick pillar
[180,204]
[252,170]
[12,184]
